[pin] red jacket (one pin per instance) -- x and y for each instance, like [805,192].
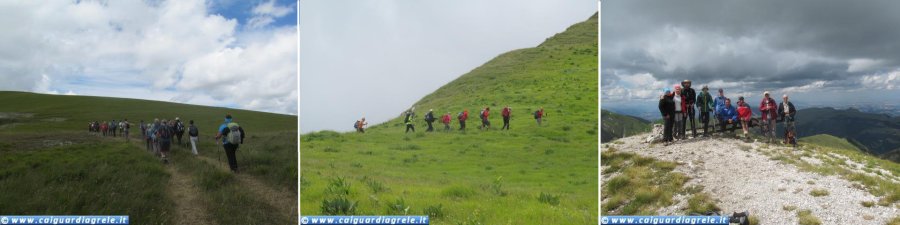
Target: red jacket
[445,118]
[486,113]
[768,109]
[505,112]
[744,112]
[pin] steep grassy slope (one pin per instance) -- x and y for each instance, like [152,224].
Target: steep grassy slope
[829,141]
[615,124]
[46,149]
[527,175]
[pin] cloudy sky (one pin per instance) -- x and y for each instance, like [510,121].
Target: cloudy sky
[375,58]
[231,53]
[829,52]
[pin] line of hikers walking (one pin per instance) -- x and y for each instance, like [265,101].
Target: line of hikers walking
[410,115]
[678,107]
[159,135]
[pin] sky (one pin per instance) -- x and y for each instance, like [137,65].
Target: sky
[824,52]
[230,53]
[375,58]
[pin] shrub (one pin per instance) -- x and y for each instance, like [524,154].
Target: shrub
[338,206]
[548,198]
[434,211]
[397,207]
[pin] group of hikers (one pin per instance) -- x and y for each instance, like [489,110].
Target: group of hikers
[159,135]
[484,115]
[111,128]
[678,107]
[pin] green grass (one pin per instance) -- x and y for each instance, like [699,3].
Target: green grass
[818,192]
[876,185]
[805,217]
[54,128]
[461,171]
[642,187]
[702,203]
[91,178]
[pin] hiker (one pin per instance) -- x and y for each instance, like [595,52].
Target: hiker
[410,115]
[787,112]
[506,113]
[705,103]
[719,102]
[689,98]
[361,125]
[769,111]
[155,144]
[164,135]
[143,130]
[104,128]
[744,114]
[446,120]
[179,129]
[232,136]
[194,134]
[667,110]
[429,118]
[126,127]
[727,114]
[462,117]
[539,115]
[112,127]
[679,113]
[148,136]
[485,123]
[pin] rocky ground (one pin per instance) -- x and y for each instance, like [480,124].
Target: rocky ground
[743,176]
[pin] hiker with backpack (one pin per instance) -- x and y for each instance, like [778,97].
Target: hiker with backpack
[667,110]
[104,128]
[787,112]
[148,136]
[744,114]
[429,119]
[506,112]
[361,125]
[164,138]
[143,130]
[719,102]
[232,135]
[769,111]
[194,134]
[539,115]
[112,128]
[462,117]
[688,96]
[705,103]
[126,127]
[728,115]
[408,119]
[446,120]
[485,123]
[179,129]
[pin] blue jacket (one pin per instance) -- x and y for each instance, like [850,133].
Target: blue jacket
[728,112]
[719,101]
[222,129]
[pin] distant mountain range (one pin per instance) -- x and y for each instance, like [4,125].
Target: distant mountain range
[877,134]
[616,126]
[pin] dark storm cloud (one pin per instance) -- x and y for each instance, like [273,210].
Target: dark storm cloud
[759,45]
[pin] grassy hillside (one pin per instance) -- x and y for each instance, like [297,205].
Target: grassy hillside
[54,166]
[829,141]
[614,124]
[879,134]
[527,175]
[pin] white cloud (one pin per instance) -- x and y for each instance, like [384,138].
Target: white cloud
[266,12]
[134,44]
[862,64]
[888,81]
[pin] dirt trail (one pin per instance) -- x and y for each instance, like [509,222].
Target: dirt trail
[283,200]
[744,178]
[188,208]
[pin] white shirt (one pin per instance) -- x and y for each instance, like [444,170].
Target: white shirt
[677,99]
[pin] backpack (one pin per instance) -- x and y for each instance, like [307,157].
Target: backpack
[234,134]
[179,127]
[127,126]
[165,133]
[536,113]
[356,125]
[193,131]
[481,114]
[459,116]
[429,117]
